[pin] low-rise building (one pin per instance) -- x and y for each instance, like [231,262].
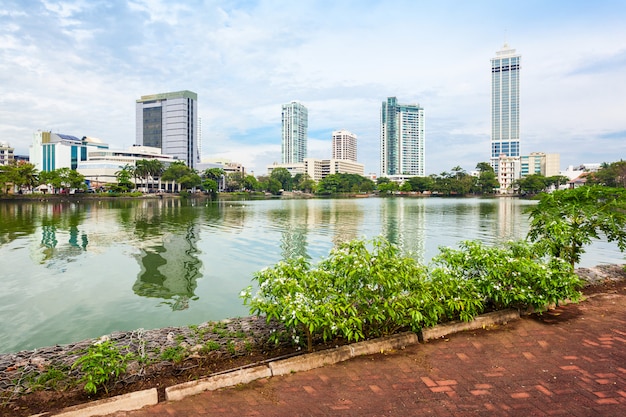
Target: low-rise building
[6,153]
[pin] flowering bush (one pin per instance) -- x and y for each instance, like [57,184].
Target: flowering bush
[515,275]
[359,293]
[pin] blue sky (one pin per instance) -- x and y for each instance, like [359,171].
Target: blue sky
[77,67]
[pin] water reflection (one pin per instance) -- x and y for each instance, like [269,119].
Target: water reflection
[167,233]
[61,236]
[403,223]
[16,220]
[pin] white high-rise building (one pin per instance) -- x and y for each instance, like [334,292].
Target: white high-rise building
[169,121]
[344,145]
[402,139]
[294,132]
[505,99]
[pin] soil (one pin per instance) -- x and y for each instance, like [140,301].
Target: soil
[166,374]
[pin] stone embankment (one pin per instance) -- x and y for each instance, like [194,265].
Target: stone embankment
[228,338]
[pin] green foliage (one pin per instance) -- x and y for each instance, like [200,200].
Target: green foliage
[610,175]
[210,346]
[53,378]
[516,275]
[354,293]
[102,363]
[174,354]
[359,292]
[565,221]
[344,183]
[283,176]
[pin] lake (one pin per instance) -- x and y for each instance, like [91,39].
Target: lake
[84,268]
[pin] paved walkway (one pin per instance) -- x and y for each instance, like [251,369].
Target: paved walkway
[571,362]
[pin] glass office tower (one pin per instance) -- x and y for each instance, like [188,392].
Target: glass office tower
[294,132]
[169,121]
[505,138]
[402,139]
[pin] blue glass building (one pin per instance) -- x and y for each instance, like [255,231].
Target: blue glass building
[505,136]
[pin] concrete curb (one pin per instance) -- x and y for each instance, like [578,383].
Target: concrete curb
[126,402]
[488,319]
[241,376]
[301,363]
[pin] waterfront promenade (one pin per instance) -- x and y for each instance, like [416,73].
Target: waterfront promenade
[570,361]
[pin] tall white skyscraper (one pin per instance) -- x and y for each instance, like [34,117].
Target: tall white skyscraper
[169,121]
[505,137]
[402,139]
[344,145]
[294,132]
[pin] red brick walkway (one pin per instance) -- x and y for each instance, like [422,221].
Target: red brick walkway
[570,362]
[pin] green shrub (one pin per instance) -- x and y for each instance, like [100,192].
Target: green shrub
[103,362]
[515,275]
[359,293]
[354,293]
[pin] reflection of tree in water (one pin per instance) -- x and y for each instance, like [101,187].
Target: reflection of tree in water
[61,219]
[16,220]
[168,258]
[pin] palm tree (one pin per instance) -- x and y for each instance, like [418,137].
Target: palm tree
[155,169]
[142,170]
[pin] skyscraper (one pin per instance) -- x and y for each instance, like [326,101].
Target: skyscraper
[169,121]
[505,139]
[402,139]
[344,145]
[294,132]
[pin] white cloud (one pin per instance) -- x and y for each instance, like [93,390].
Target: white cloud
[82,71]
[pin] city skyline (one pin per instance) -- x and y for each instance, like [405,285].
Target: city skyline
[81,72]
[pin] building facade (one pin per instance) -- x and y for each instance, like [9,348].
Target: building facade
[102,165]
[546,164]
[508,173]
[318,169]
[6,153]
[505,99]
[169,121]
[344,145]
[295,124]
[50,151]
[402,139]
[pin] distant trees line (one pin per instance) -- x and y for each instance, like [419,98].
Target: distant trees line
[145,174]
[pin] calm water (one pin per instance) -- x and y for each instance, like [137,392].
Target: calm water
[71,271]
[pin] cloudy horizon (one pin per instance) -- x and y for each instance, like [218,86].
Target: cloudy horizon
[78,66]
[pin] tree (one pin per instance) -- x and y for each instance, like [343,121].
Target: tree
[421,184]
[26,175]
[123,177]
[532,184]
[273,186]
[250,183]
[8,176]
[487,180]
[234,181]
[284,177]
[210,186]
[566,220]
[611,175]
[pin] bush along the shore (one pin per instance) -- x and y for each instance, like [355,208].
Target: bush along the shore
[359,293]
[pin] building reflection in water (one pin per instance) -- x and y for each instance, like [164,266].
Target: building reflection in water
[402,223]
[61,221]
[168,254]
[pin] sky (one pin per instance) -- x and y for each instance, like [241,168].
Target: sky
[77,67]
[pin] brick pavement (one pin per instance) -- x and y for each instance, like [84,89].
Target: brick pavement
[570,361]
